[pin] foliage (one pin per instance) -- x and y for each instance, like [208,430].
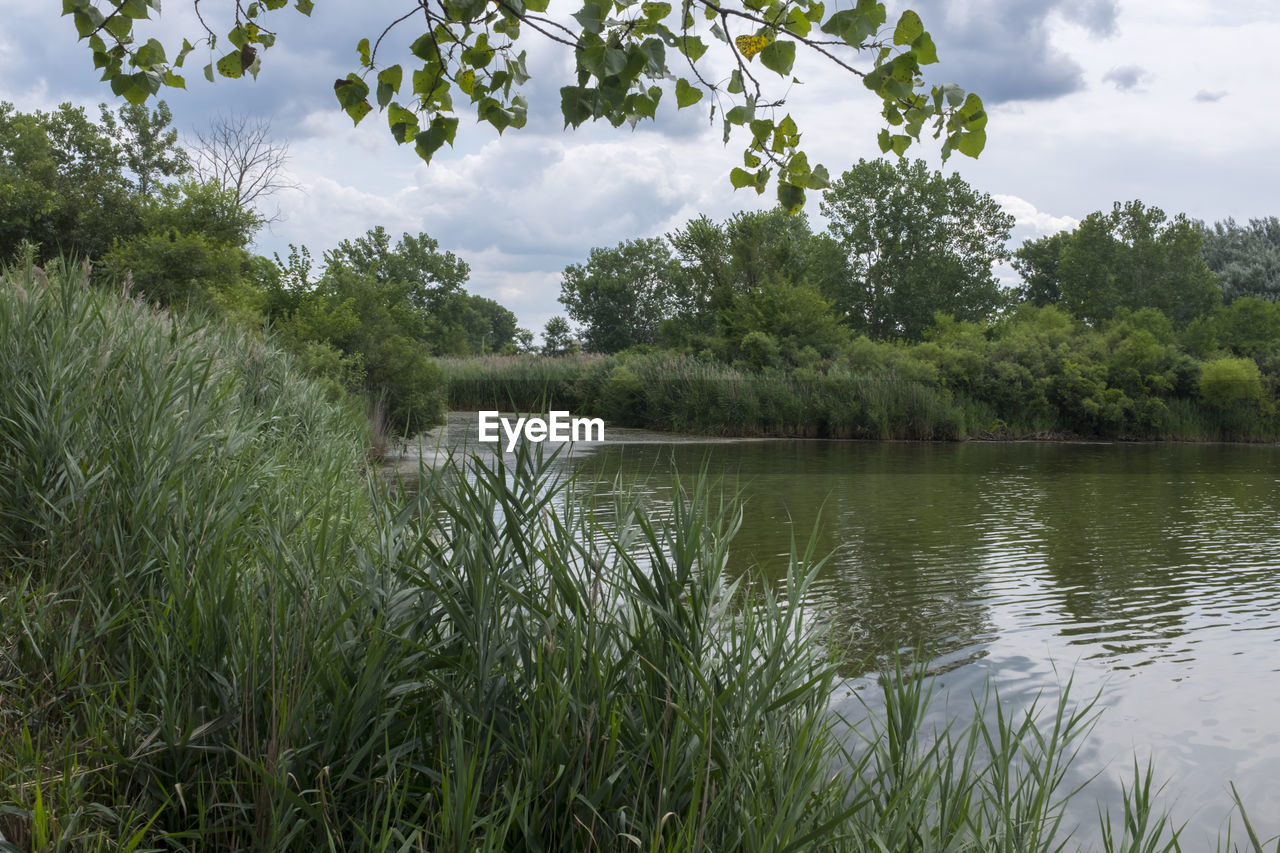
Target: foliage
[1245,258]
[625,58]
[64,188]
[387,309]
[147,143]
[222,633]
[557,338]
[1133,257]
[917,243]
[620,295]
[793,318]
[191,251]
[1037,262]
[1032,372]
[1229,382]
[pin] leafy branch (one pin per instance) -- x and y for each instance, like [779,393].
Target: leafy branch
[470,49]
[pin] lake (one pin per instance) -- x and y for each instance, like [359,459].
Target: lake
[1147,572]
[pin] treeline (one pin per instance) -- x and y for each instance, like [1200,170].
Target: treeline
[174,224]
[892,323]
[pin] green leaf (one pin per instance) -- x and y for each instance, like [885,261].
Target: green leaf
[187,47]
[389,80]
[909,28]
[972,113]
[735,83]
[135,88]
[480,54]
[779,56]
[363,49]
[971,144]
[119,26]
[692,47]
[790,196]
[425,48]
[403,123]
[739,115]
[230,65]
[149,55]
[443,129]
[173,81]
[741,178]
[352,94]
[576,105]
[925,50]
[686,94]
[304,6]
[798,22]
[466,80]
[854,26]
[591,16]
[655,12]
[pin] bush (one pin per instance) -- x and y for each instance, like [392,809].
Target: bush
[1226,383]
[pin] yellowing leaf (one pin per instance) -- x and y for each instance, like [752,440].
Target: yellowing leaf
[749,46]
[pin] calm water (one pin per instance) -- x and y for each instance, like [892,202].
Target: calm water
[1148,572]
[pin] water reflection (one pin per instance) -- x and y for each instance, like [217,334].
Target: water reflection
[1145,571]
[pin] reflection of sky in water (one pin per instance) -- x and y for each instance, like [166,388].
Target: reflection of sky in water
[1149,572]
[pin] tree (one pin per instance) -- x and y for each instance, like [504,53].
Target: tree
[147,143]
[620,295]
[557,337]
[470,49]
[240,155]
[63,185]
[191,250]
[917,243]
[1246,258]
[1037,262]
[476,325]
[792,319]
[720,262]
[427,276]
[1135,257]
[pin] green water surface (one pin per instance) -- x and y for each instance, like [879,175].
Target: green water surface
[1149,572]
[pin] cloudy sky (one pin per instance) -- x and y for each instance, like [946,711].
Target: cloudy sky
[1091,101]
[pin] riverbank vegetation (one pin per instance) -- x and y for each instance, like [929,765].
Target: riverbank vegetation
[154,218]
[221,632]
[891,324]
[888,324]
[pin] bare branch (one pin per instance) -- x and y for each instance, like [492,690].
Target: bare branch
[241,156]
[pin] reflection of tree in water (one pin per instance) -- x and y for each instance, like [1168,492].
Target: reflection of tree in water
[1119,550]
[1133,536]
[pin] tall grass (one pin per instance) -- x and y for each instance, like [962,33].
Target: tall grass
[680,393]
[685,394]
[220,632]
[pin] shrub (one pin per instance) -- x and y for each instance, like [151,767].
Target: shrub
[1226,383]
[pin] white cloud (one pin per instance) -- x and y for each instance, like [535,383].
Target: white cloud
[520,207]
[1028,217]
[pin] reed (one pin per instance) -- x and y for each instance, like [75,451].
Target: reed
[220,631]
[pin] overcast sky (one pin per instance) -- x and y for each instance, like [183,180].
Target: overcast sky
[1090,102]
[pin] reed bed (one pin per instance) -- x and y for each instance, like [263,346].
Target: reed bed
[680,393]
[219,631]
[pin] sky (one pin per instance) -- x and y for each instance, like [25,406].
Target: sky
[1090,102]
